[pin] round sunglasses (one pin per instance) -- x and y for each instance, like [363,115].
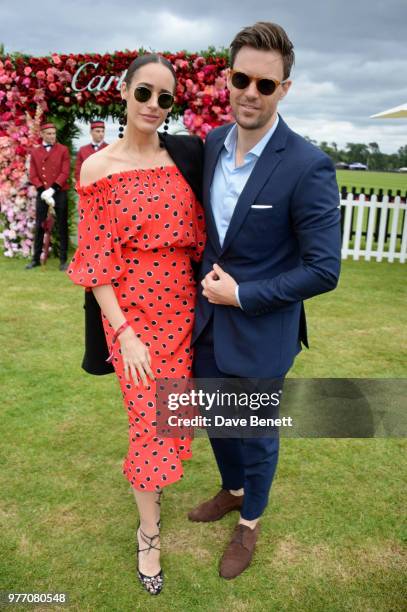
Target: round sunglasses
[240,80]
[143,94]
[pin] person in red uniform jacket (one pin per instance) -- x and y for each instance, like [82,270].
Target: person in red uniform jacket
[97,132]
[49,172]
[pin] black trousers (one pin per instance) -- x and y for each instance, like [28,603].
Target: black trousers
[61,214]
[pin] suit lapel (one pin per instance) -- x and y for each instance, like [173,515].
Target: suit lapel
[211,158]
[264,168]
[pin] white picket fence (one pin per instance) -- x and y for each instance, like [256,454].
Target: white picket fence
[374,230]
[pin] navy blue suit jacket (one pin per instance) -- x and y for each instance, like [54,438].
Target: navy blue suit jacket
[279,256]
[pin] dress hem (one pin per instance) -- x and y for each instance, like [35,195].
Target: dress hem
[153,488]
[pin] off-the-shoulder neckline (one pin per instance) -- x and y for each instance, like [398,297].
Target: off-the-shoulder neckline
[115,175]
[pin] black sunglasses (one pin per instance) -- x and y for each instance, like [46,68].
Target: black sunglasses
[240,80]
[142,94]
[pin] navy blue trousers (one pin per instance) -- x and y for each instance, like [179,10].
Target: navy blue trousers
[248,463]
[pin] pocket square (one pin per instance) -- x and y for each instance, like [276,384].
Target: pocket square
[261,206]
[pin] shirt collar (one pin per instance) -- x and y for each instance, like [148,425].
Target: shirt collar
[257,150]
[45,144]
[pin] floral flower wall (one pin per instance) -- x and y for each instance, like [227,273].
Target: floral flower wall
[36,87]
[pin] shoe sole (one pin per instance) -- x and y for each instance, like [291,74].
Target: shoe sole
[213,520]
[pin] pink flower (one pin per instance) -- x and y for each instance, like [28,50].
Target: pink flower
[70,63]
[56,59]
[181,63]
[53,87]
[199,62]
[40,74]
[223,95]
[209,69]
[27,70]
[220,83]
[189,84]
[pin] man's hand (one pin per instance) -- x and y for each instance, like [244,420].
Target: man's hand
[48,193]
[219,287]
[50,201]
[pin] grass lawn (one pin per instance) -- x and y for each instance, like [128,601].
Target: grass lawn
[372,180]
[332,537]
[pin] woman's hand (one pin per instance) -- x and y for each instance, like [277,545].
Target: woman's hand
[136,357]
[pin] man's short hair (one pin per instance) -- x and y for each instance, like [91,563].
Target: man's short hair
[266,36]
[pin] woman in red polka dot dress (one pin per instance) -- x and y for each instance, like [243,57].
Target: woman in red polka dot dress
[141,228]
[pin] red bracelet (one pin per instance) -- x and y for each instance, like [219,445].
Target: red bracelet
[116,334]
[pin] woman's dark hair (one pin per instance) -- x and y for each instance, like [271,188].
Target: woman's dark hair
[143,60]
[266,36]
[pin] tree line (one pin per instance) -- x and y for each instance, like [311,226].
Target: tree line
[368,154]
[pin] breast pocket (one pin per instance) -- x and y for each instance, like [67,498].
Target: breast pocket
[261,215]
[263,219]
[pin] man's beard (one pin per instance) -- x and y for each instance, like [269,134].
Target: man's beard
[253,124]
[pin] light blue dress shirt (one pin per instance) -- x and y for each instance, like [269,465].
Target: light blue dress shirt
[229,180]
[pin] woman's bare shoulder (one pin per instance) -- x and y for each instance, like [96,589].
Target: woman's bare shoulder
[96,166]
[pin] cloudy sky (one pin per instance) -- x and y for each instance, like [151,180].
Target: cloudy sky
[350,55]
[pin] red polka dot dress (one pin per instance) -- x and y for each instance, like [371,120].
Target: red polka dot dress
[138,231]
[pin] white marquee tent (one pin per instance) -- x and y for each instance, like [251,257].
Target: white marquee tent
[398,112]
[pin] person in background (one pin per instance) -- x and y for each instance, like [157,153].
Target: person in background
[49,173]
[97,133]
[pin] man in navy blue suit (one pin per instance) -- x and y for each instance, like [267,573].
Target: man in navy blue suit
[272,212]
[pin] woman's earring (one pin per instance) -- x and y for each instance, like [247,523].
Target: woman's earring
[165,128]
[122,120]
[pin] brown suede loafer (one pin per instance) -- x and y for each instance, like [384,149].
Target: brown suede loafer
[215,508]
[239,553]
